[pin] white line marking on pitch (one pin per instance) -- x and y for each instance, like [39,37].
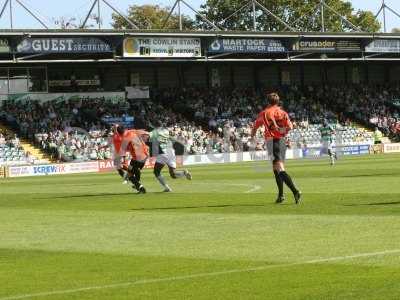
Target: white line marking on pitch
[199,275]
[254,187]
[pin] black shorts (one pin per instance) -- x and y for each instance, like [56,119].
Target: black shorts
[276,149]
[137,164]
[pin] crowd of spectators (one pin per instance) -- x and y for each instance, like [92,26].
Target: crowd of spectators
[368,105]
[202,120]
[11,150]
[78,130]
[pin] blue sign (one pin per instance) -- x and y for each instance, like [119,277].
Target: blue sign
[226,45]
[341,150]
[63,45]
[49,169]
[126,121]
[353,150]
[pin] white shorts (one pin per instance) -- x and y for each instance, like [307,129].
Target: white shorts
[168,159]
[327,145]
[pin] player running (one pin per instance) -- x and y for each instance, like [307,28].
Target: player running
[162,146]
[133,143]
[327,136]
[277,124]
[119,156]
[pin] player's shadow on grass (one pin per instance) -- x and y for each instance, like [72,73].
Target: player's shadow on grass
[90,195]
[375,204]
[370,175]
[201,206]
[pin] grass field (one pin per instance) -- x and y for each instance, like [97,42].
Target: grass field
[219,236]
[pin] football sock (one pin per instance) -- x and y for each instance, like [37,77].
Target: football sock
[288,181]
[135,181]
[162,181]
[121,173]
[137,172]
[279,183]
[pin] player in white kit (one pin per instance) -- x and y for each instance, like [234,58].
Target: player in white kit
[162,146]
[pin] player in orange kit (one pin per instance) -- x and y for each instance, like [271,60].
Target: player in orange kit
[277,124]
[119,156]
[139,151]
[131,141]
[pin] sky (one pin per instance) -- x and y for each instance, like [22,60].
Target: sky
[50,10]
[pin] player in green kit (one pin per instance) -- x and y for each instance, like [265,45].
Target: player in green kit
[327,137]
[163,149]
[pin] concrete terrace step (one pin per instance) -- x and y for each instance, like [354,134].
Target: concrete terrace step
[28,147]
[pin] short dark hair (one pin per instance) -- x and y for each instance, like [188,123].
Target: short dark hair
[120,129]
[273,98]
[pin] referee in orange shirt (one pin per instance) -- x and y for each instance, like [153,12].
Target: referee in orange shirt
[277,124]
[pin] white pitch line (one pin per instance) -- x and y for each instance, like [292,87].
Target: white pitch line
[198,275]
[255,188]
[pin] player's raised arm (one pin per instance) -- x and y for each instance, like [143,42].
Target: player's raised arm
[142,132]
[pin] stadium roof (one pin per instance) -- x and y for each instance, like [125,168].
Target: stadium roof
[242,34]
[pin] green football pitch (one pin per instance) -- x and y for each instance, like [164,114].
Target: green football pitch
[219,236]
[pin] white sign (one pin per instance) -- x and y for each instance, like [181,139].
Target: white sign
[386,46]
[142,92]
[223,158]
[162,47]
[391,148]
[53,169]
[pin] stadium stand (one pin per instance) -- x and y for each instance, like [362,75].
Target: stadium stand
[205,120]
[11,152]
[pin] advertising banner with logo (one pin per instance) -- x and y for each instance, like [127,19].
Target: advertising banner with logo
[162,47]
[127,121]
[254,45]
[391,148]
[353,150]
[63,45]
[234,157]
[53,169]
[384,46]
[108,165]
[78,82]
[324,45]
[45,97]
[342,150]
[4,46]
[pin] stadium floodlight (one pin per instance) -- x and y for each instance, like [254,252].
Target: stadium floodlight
[9,3]
[238,11]
[253,4]
[344,19]
[287,26]
[382,10]
[322,15]
[178,4]
[119,13]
